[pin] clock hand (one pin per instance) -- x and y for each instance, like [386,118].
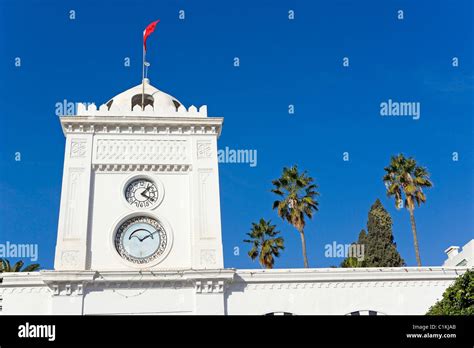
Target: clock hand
[146,190]
[133,234]
[149,235]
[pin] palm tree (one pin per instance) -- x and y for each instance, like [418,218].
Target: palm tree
[17,267]
[405,178]
[265,245]
[298,192]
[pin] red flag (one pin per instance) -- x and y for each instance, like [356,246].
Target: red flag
[149,29]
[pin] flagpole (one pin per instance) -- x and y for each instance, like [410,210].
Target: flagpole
[149,29]
[143,79]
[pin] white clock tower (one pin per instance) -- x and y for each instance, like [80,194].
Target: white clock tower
[140,186]
[140,231]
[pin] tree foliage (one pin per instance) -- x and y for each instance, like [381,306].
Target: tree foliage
[5,266]
[458,299]
[297,194]
[353,262]
[404,178]
[380,250]
[265,243]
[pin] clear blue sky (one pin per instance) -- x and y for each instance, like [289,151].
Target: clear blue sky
[282,62]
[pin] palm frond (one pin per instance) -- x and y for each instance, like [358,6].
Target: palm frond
[264,246]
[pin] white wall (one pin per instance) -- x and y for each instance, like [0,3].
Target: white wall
[140,301]
[404,298]
[388,291]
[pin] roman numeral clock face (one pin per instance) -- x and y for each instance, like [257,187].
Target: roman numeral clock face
[142,193]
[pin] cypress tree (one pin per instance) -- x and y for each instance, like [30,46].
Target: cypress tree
[379,248]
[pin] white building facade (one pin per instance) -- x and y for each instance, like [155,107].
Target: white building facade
[139,230]
[465,258]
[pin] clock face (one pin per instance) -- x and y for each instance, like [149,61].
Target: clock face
[141,239]
[141,193]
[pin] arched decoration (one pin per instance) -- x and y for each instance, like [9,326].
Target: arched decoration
[365,312]
[176,104]
[109,104]
[137,100]
[279,313]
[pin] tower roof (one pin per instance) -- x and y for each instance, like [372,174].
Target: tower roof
[129,103]
[153,96]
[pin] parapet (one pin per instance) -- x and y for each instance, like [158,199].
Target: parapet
[91,109]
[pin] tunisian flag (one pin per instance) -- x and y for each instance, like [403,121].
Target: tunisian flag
[149,29]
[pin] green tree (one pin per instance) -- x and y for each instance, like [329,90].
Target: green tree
[458,299]
[404,178]
[297,193]
[353,262]
[17,267]
[380,250]
[265,243]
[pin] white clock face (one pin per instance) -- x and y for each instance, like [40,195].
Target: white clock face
[141,239]
[141,193]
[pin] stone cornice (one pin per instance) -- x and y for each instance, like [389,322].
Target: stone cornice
[68,276]
[21,279]
[348,274]
[187,275]
[210,281]
[67,283]
[141,125]
[58,282]
[73,283]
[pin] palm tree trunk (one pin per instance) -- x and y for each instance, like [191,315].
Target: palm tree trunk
[303,246]
[415,238]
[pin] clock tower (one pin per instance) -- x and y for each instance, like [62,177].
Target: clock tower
[140,186]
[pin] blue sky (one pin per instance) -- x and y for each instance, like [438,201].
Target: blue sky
[282,62]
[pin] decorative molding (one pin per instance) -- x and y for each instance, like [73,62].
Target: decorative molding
[78,148]
[132,285]
[204,149]
[209,286]
[341,284]
[67,283]
[141,125]
[204,194]
[67,289]
[73,190]
[115,110]
[409,275]
[70,258]
[25,290]
[208,257]
[134,150]
[142,167]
